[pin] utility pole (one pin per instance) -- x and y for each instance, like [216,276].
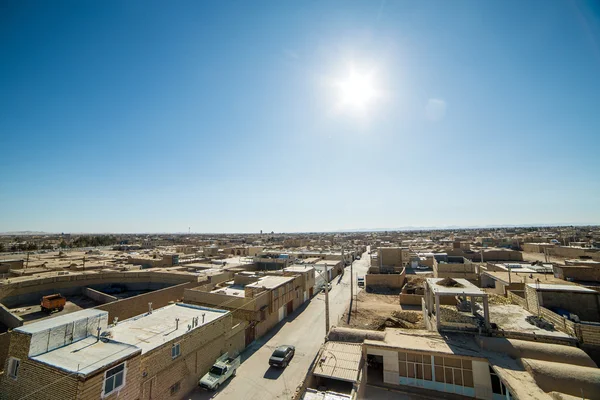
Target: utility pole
[326,302]
[326,299]
[27,263]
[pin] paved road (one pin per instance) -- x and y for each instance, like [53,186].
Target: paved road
[305,329]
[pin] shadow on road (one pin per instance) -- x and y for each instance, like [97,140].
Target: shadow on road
[202,394]
[273,373]
[258,343]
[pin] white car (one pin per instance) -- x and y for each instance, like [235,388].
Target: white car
[221,370]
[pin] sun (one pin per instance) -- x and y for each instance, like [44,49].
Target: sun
[357,90]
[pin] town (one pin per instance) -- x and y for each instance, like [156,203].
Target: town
[492,313]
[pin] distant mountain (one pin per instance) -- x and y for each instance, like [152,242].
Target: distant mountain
[25,233]
[450,227]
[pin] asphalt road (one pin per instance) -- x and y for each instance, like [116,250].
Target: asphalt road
[305,329]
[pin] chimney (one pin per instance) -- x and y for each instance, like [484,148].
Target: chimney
[98,329]
[150,308]
[176,323]
[115,320]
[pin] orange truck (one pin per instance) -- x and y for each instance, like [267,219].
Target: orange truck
[53,302]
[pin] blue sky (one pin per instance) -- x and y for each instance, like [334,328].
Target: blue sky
[225,116]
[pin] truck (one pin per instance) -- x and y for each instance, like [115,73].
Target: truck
[53,302]
[221,370]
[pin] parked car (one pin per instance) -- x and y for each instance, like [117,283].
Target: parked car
[328,287]
[221,370]
[361,281]
[282,356]
[53,302]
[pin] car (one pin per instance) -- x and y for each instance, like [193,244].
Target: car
[282,356]
[328,287]
[361,281]
[224,368]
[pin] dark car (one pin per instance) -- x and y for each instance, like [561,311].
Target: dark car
[281,356]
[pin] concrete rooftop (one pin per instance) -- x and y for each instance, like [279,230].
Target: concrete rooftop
[149,331]
[87,355]
[561,288]
[467,287]
[271,282]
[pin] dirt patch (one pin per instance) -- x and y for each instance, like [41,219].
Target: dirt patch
[449,282]
[497,299]
[452,315]
[540,322]
[378,311]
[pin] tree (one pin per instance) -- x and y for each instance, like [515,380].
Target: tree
[63,244]
[2,248]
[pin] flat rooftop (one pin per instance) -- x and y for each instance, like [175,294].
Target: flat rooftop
[231,290]
[466,287]
[87,355]
[299,268]
[271,282]
[340,360]
[148,331]
[513,318]
[312,394]
[560,288]
[524,277]
[427,341]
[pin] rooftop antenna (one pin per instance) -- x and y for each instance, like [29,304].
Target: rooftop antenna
[176,323]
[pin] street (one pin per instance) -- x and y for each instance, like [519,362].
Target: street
[304,329]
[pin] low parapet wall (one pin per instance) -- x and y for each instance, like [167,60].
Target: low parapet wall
[132,306]
[586,333]
[22,290]
[9,319]
[392,281]
[411,299]
[97,296]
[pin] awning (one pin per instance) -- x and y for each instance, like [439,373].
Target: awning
[339,360]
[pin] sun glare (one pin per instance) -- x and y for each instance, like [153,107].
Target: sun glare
[357,91]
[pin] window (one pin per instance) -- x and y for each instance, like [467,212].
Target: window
[413,365]
[175,351]
[497,385]
[454,371]
[175,388]
[13,367]
[114,379]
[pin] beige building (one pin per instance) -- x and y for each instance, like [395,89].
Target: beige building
[160,261]
[157,355]
[260,300]
[392,259]
[455,267]
[426,363]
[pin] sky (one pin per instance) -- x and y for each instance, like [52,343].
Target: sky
[237,116]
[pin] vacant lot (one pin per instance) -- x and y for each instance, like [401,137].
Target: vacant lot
[378,311]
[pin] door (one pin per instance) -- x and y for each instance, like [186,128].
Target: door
[310,292]
[290,307]
[147,388]
[250,333]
